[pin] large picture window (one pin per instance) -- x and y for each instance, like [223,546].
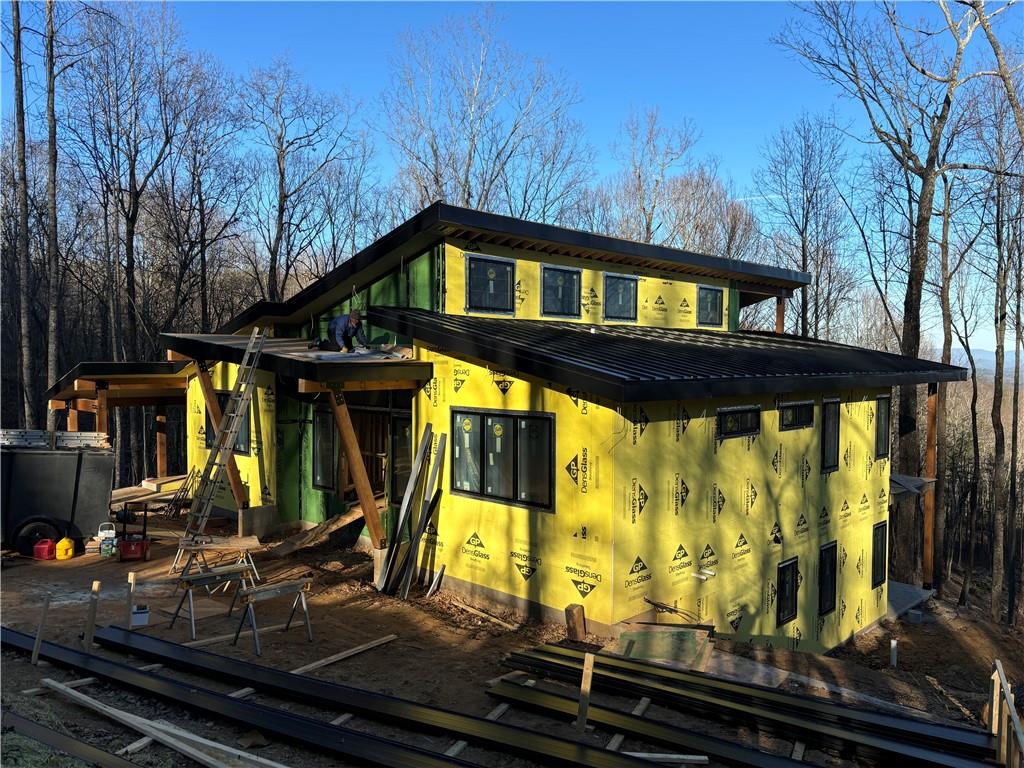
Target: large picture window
[490,284]
[879,553]
[829,436]
[241,439]
[504,456]
[561,292]
[619,297]
[325,464]
[882,409]
[709,306]
[827,579]
[785,606]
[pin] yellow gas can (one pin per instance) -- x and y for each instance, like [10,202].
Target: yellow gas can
[65,549]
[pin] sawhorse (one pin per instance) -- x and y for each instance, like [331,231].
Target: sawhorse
[223,549]
[239,574]
[253,595]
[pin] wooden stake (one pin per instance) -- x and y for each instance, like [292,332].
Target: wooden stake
[161,441]
[364,491]
[131,600]
[575,623]
[588,675]
[102,424]
[39,631]
[90,621]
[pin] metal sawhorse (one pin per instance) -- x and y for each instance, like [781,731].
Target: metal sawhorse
[254,595]
[240,574]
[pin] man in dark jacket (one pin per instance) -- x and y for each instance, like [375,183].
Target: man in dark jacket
[341,332]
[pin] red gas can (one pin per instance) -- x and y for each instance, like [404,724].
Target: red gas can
[45,549]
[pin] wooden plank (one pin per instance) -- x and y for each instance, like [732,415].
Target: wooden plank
[72,420]
[231,636]
[309,387]
[102,424]
[83,681]
[90,621]
[615,743]
[39,630]
[364,491]
[161,441]
[213,408]
[588,676]
[317,534]
[780,315]
[173,356]
[131,600]
[240,756]
[575,623]
[494,715]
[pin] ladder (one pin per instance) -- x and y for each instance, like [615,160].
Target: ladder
[223,444]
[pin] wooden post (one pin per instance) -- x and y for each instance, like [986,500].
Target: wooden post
[161,441]
[72,419]
[364,492]
[90,621]
[780,314]
[575,623]
[39,630]
[588,675]
[213,408]
[929,495]
[101,408]
[131,599]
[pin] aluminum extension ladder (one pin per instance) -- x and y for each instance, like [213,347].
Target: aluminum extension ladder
[223,444]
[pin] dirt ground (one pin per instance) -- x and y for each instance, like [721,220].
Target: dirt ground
[443,656]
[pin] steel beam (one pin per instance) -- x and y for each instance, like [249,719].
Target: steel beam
[972,742]
[315,734]
[61,742]
[547,750]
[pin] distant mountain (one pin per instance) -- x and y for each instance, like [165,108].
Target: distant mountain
[985,359]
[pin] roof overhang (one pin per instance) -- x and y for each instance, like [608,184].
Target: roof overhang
[294,358]
[125,383]
[633,364]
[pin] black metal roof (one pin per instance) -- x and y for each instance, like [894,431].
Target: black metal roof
[631,363]
[440,220]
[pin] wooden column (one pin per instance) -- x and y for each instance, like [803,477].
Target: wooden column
[356,467]
[213,408]
[927,563]
[101,408]
[161,441]
[72,419]
[780,314]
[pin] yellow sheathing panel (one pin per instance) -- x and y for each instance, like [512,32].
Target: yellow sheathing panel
[663,300]
[258,469]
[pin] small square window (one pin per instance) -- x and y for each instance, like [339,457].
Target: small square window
[619,298]
[324,460]
[490,284]
[829,436]
[796,416]
[241,439]
[709,306]
[879,553]
[827,579]
[882,410]
[561,292]
[785,606]
[738,422]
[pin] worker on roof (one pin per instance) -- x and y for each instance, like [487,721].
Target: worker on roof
[342,330]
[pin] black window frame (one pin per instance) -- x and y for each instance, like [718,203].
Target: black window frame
[721,412]
[808,404]
[544,268]
[636,297]
[876,551]
[320,413]
[457,414]
[504,263]
[882,443]
[780,619]
[721,306]
[245,430]
[826,407]
[827,550]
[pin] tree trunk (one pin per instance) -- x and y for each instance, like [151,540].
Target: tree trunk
[1015,615]
[24,270]
[972,511]
[998,435]
[52,262]
[939,542]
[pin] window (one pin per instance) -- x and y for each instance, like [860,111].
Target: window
[619,297]
[489,284]
[709,306]
[241,439]
[879,551]
[827,579]
[504,456]
[737,422]
[561,292]
[829,436]
[796,415]
[785,606]
[882,405]
[324,461]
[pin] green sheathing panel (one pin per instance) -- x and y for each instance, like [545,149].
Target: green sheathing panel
[290,438]
[734,308]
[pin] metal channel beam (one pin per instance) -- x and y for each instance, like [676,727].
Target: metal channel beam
[718,750]
[548,750]
[62,742]
[314,734]
[770,718]
[973,742]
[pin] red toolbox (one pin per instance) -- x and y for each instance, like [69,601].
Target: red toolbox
[45,549]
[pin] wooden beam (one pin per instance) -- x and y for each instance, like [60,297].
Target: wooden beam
[308,387]
[780,315]
[101,409]
[72,420]
[929,493]
[213,408]
[364,492]
[57,405]
[174,357]
[161,441]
